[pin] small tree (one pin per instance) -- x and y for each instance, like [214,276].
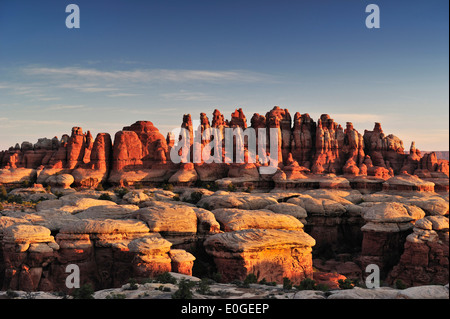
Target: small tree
[184,290]
[251,279]
[287,283]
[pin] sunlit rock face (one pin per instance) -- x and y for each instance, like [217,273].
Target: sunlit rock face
[268,253]
[335,197]
[140,154]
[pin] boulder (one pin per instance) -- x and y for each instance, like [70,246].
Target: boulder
[268,253]
[177,223]
[239,219]
[108,212]
[60,180]
[288,209]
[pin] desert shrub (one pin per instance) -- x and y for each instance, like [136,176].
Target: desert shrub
[11,294]
[168,187]
[203,287]
[166,278]
[231,187]
[176,198]
[105,196]
[120,192]
[240,284]
[287,283]
[267,283]
[99,187]
[58,194]
[251,279]
[14,199]
[115,296]
[400,284]
[132,284]
[212,186]
[184,290]
[322,287]
[3,193]
[249,189]
[195,197]
[1,207]
[307,284]
[346,284]
[84,292]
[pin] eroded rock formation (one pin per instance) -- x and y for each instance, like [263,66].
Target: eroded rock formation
[141,154]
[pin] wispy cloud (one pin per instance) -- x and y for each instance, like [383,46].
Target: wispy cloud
[64,107]
[183,95]
[149,75]
[123,94]
[54,98]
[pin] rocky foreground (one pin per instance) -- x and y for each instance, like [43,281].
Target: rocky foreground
[214,290]
[325,235]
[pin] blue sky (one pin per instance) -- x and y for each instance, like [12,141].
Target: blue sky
[157,60]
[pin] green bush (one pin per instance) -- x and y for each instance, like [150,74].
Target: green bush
[322,287]
[133,284]
[168,187]
[267,283]
[231,187]
[249,189]
[203,287]
[399,284]
[184,290]
[115,296]
[212,187]
[14,199]
[287,283]
[195,197]
[307,284]
[11,294]
[346,284]
[120,192]
[105,196]
[84,292]
[251,279]
[58,194]
[166,278]
[3,193]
